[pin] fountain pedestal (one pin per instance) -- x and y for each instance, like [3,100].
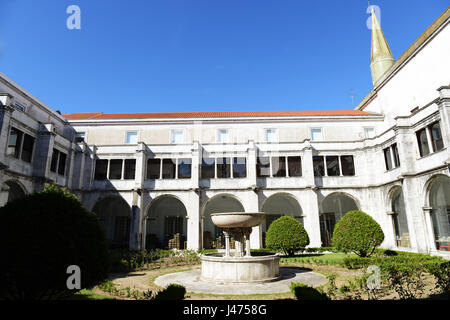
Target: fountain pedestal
[240,267]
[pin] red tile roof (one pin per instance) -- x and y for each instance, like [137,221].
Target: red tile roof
[213,114]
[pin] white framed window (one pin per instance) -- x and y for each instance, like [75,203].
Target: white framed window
[316,134]
[19,107]
[223,136]
[131,137]
[271,135]
[369,132]
[177,136]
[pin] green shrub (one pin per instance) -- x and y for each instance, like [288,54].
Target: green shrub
[287,235]
[357,232]
[43,234]
[172,292]
[407,278]
[441,271]
[304,292]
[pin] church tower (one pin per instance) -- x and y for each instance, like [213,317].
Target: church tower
[381,58]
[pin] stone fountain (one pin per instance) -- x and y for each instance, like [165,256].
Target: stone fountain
[239,267]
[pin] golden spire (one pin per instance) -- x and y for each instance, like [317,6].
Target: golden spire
[381,58]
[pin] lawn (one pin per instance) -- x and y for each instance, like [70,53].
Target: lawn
[319,259]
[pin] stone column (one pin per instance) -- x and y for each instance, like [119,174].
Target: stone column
[43,151]
[194,233]
[194,220]
[444,112]
[247,242]
[394,239]
[5,117]
[227,243]
[138,213]
[430,238]
[311,203]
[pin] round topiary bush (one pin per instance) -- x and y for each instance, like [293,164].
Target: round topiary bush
[43,234]
[287,235]
[357,232]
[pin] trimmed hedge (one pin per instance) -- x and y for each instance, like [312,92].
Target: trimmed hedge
[287,235]
[304,292]
[43,234]
[357,232]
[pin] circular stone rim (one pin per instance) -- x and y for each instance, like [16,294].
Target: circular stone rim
[210,257]
[238,213]
[241,282]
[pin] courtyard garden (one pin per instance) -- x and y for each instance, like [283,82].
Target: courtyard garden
[66,234]
[401,275]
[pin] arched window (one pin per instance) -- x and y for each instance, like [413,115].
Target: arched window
[440,213]
[333,208]
[278,205]
[399,219]
[114,215]
[166,224]
[212,235]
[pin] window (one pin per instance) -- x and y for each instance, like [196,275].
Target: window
[278,166]
[208,168]
[263,167]
[168,169]
[333,166]
[115,169]
[79,137]
[348,166]
[239,167]
[318,166]
[62,163]
[388,159]
[369,132]
[271,135]
[396,156]
[173,225]
[20,145]
[391,157]
[436,137]
[316,134]
[223,168]
[131,137]
[58,163]
[423,142]
[222,136]
[14,143]
[184,168]
[177,136]
[436,143]
[101,168]
[294,166]
[153,168]
[54,163]
[130,169]
[19,107]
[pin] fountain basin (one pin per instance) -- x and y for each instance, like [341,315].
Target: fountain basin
[238,219]
[264,267]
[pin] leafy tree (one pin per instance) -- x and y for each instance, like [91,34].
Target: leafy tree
[43,234]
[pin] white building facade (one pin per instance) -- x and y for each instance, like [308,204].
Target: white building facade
[152,176]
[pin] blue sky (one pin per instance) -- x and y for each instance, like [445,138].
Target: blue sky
[201,55]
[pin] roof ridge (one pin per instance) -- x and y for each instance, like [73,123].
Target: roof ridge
[190,114]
